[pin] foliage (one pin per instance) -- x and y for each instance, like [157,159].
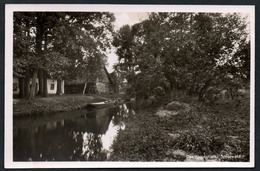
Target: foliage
[23,43]
[187,51]
[219,131]
[63,44]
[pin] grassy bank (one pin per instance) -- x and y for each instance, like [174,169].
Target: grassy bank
[219,132]
[53,104]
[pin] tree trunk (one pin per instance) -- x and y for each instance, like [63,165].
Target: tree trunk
[59,87]
[84,89]
[40,78]
[45,86]
[27,85]
[39,42]
[33,87]
[22,87]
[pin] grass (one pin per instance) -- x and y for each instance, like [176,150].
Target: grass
[220,130]
[53,104]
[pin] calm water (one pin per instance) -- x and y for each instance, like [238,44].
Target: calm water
[69,136]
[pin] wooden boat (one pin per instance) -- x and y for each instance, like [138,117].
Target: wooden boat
[101,104]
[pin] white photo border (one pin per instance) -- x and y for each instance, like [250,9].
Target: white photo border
[8,139]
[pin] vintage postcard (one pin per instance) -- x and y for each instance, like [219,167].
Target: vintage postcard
[129,86]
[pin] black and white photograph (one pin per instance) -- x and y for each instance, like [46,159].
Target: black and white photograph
[129,86]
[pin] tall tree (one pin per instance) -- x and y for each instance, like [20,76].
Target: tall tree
[124,42]
[190,51]
[23,50]
[59,43]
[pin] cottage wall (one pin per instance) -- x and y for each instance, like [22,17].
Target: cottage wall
[51,86]
[74,88]
[102,87]
[16,86]
[62,86]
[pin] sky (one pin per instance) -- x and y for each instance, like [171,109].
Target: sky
[129,18]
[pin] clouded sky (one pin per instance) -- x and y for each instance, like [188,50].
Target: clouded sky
[128,18]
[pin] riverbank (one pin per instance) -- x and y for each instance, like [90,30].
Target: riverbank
[54,104]
[218,132]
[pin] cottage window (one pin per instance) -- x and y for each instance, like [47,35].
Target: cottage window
[52,86]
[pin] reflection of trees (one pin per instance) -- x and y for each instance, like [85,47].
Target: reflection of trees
[123,111]
[46,142]
[92,147]
[85,137]
[75,139]
[27,151]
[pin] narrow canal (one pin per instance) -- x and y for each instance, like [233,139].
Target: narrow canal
[85,134]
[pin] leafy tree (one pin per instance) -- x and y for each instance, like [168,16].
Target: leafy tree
[188,51]
[58,43]
[86,48]
[241,60]
[23,50]
[218,37]
[123,40]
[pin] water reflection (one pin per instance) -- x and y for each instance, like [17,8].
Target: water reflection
[87,136]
